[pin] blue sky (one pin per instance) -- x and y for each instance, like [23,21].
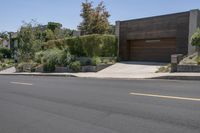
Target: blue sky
[13,12]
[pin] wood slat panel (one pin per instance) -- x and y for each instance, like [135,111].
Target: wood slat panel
[153,50]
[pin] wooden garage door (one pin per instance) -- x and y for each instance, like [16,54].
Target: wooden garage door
[159,50]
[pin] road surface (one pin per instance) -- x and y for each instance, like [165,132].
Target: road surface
[78,105]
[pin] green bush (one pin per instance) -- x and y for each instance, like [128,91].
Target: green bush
[96,61]
[50,59]
[196,38]
[88,46]
[49,66]
[1,56]
[38,57]
[6,52]
[85,61]
[75,66]
[26,66]
[66,58]
[198,60]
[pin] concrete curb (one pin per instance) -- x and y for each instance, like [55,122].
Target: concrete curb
[42,74]
[174,77]
[178,77]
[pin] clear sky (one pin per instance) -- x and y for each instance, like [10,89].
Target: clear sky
[13,12]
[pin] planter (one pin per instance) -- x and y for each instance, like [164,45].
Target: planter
[39,69]
[94,68]
[62,69]
[188,68]
[88,68]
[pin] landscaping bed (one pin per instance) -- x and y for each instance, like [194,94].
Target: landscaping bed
[5,58]
[89,53]
[189,64]
[80,65]
[6,63]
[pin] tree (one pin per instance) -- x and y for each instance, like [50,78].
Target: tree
[4,35]
[95,20]
[26,40]
[196,40]
[111,29]
[53,26]
[87,11]
[100,23]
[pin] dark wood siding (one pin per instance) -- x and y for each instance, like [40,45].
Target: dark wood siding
[158,50]
[167,26]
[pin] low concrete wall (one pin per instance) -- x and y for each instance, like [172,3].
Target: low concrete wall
[67,69]
[94,68]
[88,68]
[62,69]
[188,68]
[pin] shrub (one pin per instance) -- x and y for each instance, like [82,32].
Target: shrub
[198,60]
[85,61]
[75,66]
[49,66]
[196,38]
[66,58]
[6,52]
[89,45]
[50,59]
[96,61]
[51,54]
[26,66]
[1,56]
[38,57]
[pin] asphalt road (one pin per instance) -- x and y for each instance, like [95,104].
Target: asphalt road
[75,105]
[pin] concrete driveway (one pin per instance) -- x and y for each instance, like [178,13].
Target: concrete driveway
[128,70]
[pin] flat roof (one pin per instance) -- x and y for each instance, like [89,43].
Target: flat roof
[157,16]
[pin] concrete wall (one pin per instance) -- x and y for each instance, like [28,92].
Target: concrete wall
[194,23]
[167,26]
[117,33]
[199,19]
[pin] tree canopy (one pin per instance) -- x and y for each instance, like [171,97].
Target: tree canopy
[32,36]
[53,26]
[95,19]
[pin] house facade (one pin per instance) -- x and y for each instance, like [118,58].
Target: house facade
[4,43]
[157,38]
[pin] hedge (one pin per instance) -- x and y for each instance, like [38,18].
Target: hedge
[87,46]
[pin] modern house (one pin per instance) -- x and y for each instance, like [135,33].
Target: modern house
[157,38]
[11,42]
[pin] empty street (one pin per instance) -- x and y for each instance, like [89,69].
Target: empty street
[31,104]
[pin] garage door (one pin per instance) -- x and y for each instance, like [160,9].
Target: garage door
[159,50]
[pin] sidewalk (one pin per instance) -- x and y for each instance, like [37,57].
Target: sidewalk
[139,75]
[170,76]
[180,76]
